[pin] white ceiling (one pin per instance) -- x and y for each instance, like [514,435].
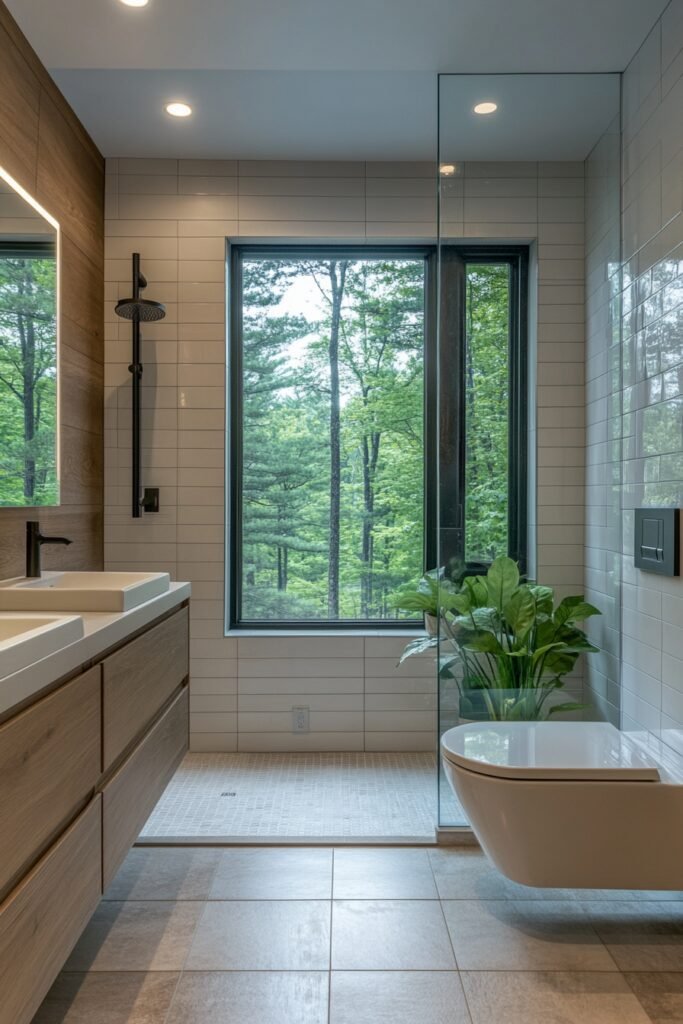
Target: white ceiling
[539,117]
[307,78]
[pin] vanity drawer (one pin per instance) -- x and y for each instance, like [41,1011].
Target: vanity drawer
[43,917]
[130,796]
[49,764]
[139,679]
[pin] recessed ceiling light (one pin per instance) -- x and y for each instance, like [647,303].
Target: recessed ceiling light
[135,3]
[178,109]
[485,108]
[447,170]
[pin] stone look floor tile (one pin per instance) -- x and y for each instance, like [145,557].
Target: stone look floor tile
[273,874]
[180,873]
[111,998]
[246,998]
[136,936]
[383,874]
[661,995]
[276,935]
[397,997]
[390,935]
[642,936]
[498,935]
[541,998]
[468,875]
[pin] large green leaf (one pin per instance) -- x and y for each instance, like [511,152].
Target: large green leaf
[573,609]
[520,612]
[483,643]
[558,709]
[502,579]
[543,597]
[423,643]
[475,591]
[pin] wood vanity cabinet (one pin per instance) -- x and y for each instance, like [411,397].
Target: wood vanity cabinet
[138,679]
[81,768]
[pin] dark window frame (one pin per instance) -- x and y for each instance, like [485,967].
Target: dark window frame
[443,411]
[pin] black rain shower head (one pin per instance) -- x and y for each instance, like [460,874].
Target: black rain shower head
[140,310]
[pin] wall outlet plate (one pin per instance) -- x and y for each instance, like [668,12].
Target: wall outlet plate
[301,719]
[657,540]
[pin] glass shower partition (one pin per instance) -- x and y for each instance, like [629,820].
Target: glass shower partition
[527,189]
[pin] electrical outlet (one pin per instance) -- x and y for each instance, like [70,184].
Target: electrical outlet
[301,719]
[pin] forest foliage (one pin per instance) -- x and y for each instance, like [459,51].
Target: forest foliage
[332,432]
[28,381]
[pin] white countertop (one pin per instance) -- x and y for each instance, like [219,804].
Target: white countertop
[101,631]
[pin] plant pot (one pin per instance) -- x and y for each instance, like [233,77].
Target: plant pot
[507,704]
[431,624]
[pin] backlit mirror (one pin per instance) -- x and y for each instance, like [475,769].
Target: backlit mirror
[29,399]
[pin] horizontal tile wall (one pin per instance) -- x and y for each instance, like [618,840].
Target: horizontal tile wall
[652,370]
[178,215]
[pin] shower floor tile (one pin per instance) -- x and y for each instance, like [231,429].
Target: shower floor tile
[333,796]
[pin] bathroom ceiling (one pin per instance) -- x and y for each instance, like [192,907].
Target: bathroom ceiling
[307,78]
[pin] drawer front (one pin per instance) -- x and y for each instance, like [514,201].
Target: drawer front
[43,917]
[129,798]
[139,679]
[50,759]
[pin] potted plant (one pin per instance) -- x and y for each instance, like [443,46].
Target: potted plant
[432,596]
[507,645]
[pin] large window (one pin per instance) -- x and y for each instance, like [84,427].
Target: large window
[333,428]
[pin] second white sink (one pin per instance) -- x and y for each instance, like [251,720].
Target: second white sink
[83,591]
[25,639]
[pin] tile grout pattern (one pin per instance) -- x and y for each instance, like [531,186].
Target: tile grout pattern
[178,214]
[303,936]
[301,795]
[634,385]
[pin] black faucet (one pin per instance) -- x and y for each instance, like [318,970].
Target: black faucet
[34,540]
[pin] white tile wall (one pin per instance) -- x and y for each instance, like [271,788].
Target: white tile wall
[178,215]
[634,388]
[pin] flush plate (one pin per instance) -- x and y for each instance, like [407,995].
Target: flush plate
[657,540]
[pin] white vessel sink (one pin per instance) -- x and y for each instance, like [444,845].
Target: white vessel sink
[25,639]
[83,591]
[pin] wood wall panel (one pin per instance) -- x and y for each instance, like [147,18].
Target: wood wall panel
[45,147]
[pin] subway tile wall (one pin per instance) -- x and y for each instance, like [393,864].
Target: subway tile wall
[178,215]
[635,394]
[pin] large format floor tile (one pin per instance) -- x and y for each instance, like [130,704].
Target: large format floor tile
[171,873]
[643,936]
[397,997]
[108,999]
[541,998]
[383,874]
[661,995]
[390,935]
[273,874]
[276,935]
[244,998]
[468,875]
[136,936]
[498,935]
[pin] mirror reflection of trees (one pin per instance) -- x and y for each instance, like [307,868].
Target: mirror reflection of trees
[28,379]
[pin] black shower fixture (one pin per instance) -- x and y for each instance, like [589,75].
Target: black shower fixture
[138,311]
